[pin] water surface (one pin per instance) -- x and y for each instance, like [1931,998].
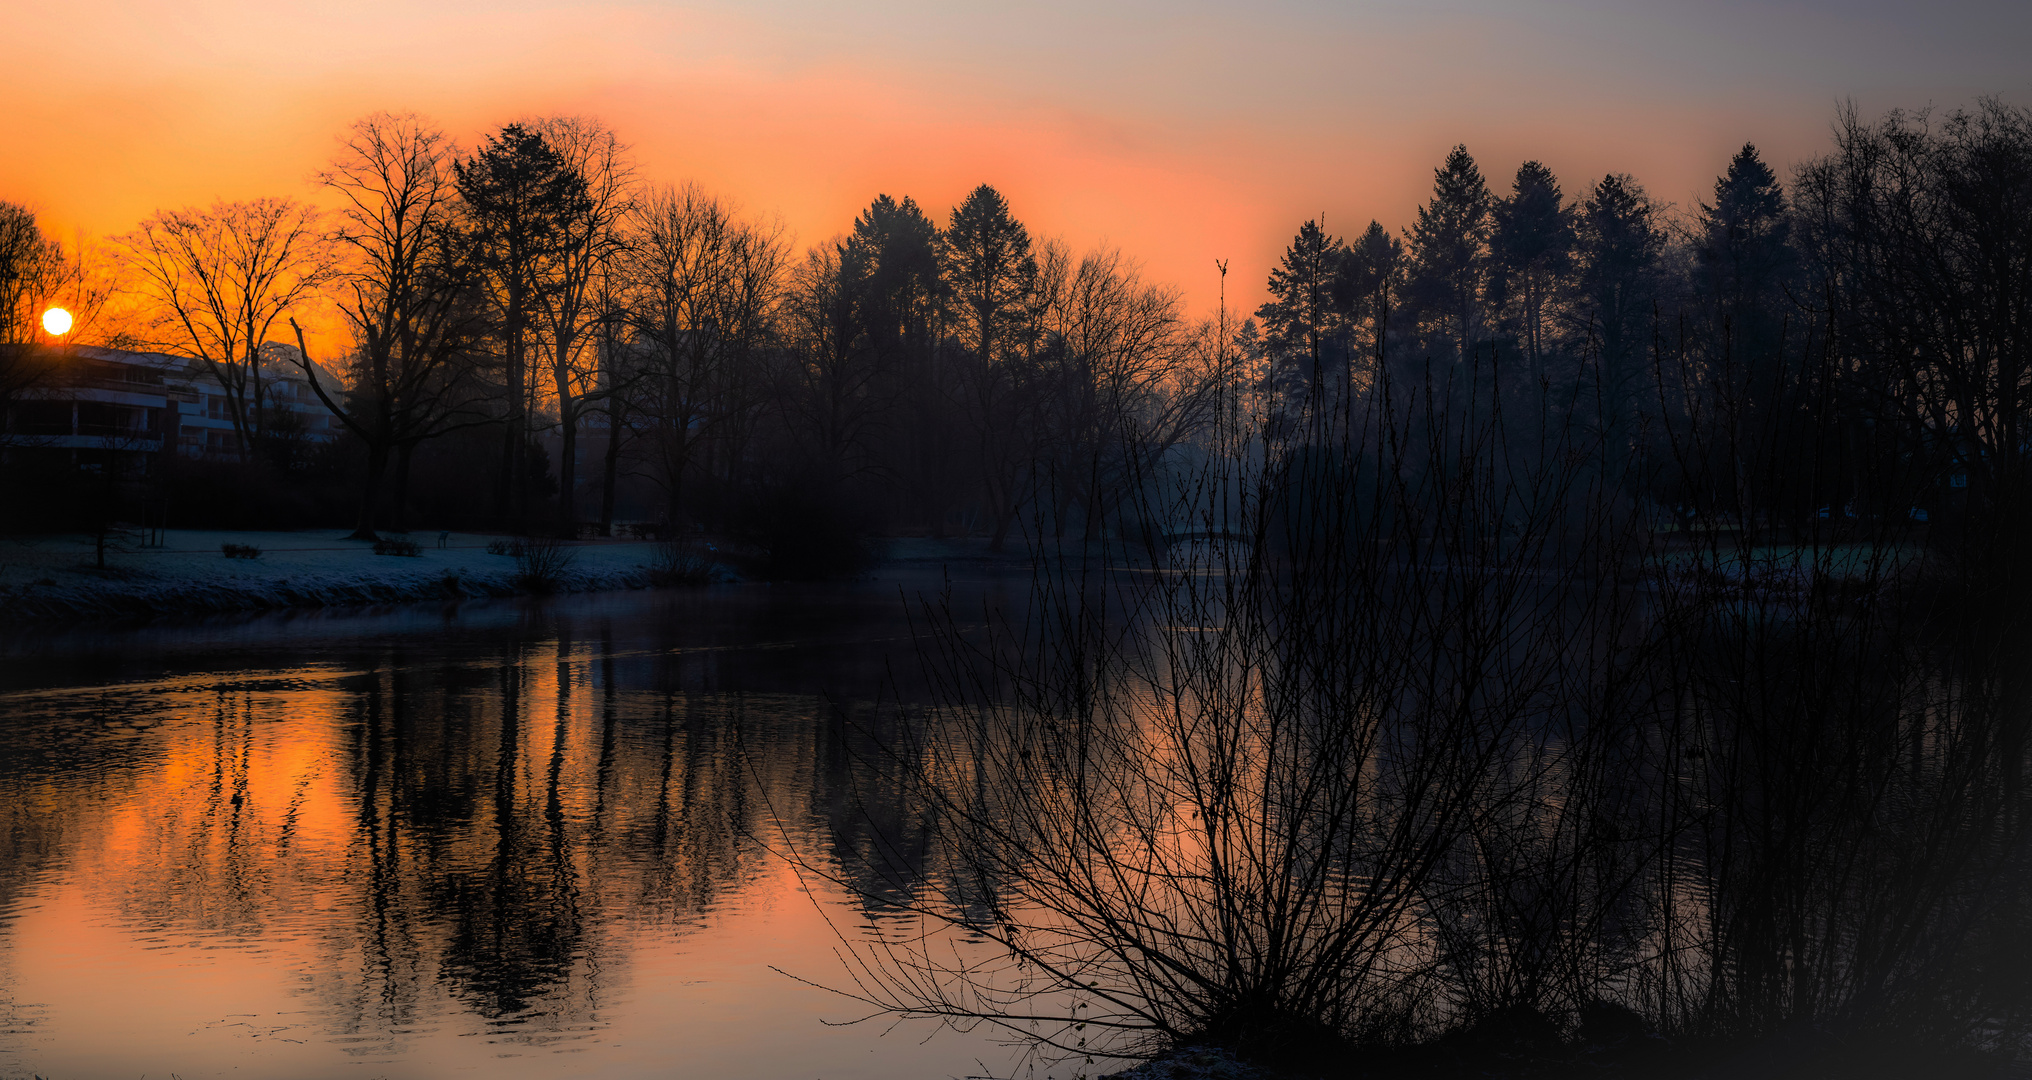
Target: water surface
[505,838]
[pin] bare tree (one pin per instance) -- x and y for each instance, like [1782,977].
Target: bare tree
[220,279]
[588,240]
[407,289]
[830,398]
[1124,382]
[31,272]
[703,289]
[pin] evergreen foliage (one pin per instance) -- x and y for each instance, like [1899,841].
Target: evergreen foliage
[1449,247]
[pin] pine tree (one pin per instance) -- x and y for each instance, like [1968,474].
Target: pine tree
[517,190]
[1449,252]
[892,258]
[1532,246]
[890,268]
[1370,269]
[1744,262]
[991,278]
[1299,323]
[1619,245]
[989,270]
[1745,252]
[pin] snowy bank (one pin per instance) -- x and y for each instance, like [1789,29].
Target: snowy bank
[56,579]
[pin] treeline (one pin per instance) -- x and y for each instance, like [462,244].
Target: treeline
[1445,748]
[909,375]
[1850,344]
[531,336]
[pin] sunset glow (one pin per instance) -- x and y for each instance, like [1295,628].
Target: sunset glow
[1202,133]
[57,321]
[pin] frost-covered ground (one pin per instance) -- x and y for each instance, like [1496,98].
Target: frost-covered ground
[55,577]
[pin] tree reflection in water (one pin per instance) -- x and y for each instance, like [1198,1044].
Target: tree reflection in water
[464,831]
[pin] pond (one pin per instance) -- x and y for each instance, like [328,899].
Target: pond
[508,839]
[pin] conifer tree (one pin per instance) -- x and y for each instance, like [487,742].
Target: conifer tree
[1300,327]
[517,190]
[1371,268]
[890,265]
[989,270]
[1532,246]
[991,278]
[1449,252]
[1743,265]
[892,257]
[1745,252]
[1619,245]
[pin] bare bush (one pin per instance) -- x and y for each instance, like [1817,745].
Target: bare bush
[541,562]
[1424,750]
[682,562]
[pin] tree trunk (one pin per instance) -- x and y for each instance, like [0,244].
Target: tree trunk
[567,468]
[509,496]
[610,473]
[402,456]
[370,495]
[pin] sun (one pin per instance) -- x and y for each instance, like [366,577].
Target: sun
[57,321]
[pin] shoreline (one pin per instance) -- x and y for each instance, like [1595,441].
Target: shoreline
[53,580]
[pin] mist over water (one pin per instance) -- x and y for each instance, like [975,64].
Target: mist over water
[502,839]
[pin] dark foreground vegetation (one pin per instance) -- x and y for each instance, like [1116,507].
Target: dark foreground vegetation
[1651,705]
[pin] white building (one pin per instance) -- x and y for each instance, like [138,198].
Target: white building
[99,409]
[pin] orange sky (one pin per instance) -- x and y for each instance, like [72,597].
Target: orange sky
[1182,132]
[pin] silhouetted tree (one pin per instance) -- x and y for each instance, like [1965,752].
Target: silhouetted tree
[703,288]
[1615,286]
[407,287]
[1745,253]
[991,276]
[1371,271]
[891,259]
[989,271]
[1532,245]
[1449,254]
[587,241]
[518,192]
[1125,379]
[219,279]
[1919,236]
[31,271]
[1300,322]
[1744,269]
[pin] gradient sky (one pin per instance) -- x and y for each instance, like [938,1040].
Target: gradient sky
[1182,132]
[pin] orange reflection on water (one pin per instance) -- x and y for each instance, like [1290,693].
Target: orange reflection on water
[474,864]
